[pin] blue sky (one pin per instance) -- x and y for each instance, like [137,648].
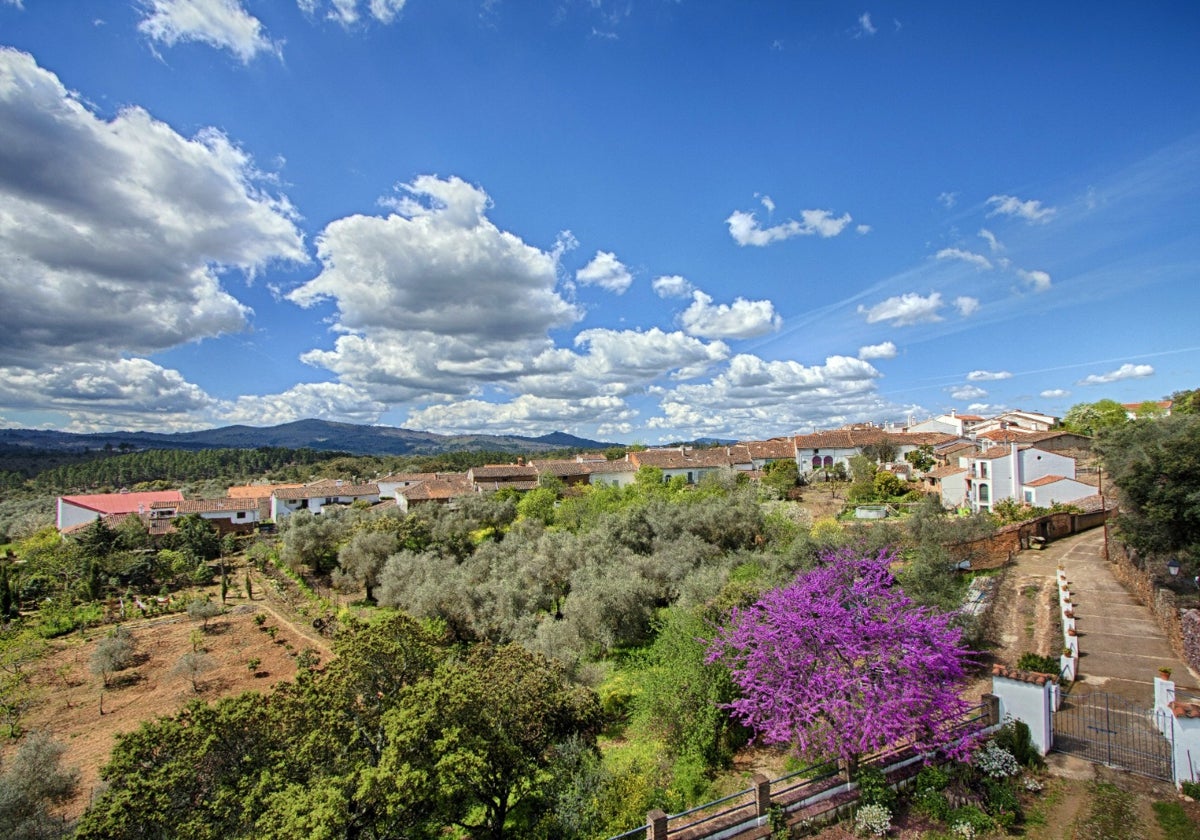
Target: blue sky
[644,220]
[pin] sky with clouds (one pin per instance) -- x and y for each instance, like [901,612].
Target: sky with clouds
[644,220]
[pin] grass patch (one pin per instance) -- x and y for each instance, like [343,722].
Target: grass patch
[1039,808]
[1111,815]
[1174,821]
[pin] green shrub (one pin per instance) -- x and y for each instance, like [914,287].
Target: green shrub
[873,788]
[1039,663]
[1015,737]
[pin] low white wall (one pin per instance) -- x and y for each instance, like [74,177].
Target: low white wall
[1024,698]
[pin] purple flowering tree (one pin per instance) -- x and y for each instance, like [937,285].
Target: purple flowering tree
[842,662]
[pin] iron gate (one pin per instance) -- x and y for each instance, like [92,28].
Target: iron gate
[1111,730]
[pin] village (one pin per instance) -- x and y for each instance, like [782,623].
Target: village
[971,463]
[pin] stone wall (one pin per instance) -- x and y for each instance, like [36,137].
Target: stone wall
[994,551]
[1129,570]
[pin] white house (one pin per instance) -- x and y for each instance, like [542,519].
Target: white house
[1049,489]
[1003,473]
[1018,419]
[959,425]
[314,497]
[950,483]
[227,514]
[824,450]
[688,463]
[80,510]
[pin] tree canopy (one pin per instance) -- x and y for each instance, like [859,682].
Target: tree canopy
[1155,466]
[842,663]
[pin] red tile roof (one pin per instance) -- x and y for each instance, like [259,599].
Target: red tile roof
[1046,479]
[1032,677]
[326,488]
[110,503]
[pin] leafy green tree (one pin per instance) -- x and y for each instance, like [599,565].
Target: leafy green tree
[197,537]
[115,652]
[888,485]
[921,458]
[1156,469]
[497,718]
[361,560]
[538,504]
[1093,418]
[191,775]
[1186,402]
[31,787]
[880,453]
[683,700]
[780,478]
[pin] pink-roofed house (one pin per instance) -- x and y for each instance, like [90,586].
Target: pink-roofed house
[80,510]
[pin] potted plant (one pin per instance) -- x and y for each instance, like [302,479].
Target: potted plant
[1069,614]
[1164,673]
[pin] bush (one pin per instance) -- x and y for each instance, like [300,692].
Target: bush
[1014,736]
[1037,662]
[995,762]
[875,820]
[873,788]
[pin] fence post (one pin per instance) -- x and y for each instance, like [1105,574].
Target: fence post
[762,794]
[991,708]
[656,825]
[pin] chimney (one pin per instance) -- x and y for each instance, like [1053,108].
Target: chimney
[1015,466]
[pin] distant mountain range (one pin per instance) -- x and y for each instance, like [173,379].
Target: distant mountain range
[310,434]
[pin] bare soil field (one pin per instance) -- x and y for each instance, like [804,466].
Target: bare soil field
[238,654]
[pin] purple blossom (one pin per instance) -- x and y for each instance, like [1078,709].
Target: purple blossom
[843,663]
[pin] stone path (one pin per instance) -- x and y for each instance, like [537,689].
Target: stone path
[1121,645]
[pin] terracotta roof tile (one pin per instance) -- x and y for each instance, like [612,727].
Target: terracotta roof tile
[1046,479]
[108,503]
[1032,677]
[323,488]
[1188,710]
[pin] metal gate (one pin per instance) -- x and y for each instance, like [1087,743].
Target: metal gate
[1111,730]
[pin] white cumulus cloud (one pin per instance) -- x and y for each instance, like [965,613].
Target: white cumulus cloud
[966,306]
[1030,211]
[607,272]
[523,415]
[885,350]
[1125,371]
[1039,281]
[740,319]
[967,392]
[350,12]
[115,233]
[223,24]
[988,375]
[905,310]
[433,300]
[1054,393]
[977,260]
[990,238]
[755,398]
[671,286]
[746,230]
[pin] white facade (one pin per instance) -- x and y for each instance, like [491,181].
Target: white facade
[994,477]
[1064,490]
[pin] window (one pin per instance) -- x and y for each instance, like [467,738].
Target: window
[984,494]
[1028,497]
[816,462]
[983,469]
[241,514]
[828,461]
